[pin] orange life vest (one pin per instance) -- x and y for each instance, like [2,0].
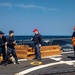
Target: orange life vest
[73,41]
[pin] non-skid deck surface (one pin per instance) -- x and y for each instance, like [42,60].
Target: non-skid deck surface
[52,65]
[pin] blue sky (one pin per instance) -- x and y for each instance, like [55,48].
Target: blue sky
[51,17]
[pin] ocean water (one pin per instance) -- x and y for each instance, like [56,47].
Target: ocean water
[64,41]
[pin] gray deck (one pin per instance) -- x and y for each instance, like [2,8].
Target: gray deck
[59,69]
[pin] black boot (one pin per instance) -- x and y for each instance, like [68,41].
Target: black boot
[35,58]
[17,62]
[1,63]
[39,59]
[5,63]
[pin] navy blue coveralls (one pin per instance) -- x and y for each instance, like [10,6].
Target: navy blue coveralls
[37,40]
[2,46]
[11,49]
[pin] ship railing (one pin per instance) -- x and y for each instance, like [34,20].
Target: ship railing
[65,43]
[44,40]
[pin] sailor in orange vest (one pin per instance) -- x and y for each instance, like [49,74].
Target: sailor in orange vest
[73,41]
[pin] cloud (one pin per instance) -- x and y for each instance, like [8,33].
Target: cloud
[27,6]
[5,4]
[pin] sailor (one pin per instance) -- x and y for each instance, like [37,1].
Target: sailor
[2,46]
[73,40]
[10,48]
[37,38]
